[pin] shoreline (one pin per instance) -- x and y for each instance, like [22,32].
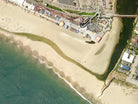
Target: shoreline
[46,63]
[40,61]
[85,83]
[58,74]
[93,95]
[67,82]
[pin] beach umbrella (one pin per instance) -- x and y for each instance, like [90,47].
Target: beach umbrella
[61,23]
[48,13]
[93,33]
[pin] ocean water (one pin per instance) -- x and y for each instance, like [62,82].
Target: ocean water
[24,81]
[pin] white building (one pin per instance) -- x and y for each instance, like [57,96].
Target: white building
[28,5]
[19,2]
[128,57]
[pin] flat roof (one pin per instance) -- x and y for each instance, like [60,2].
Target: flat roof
[98,38]
[20,2]
[128,57]
[125,67]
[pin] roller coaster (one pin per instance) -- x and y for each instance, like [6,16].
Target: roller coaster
[88,20]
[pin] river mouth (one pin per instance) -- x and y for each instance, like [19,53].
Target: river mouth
[124,7]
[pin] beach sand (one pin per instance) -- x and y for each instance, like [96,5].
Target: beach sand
[16,19]
[95,57]
[119,94]
[77,76]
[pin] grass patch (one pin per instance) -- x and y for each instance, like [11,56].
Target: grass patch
[54,7]
[71,11]
[79,13]
[5,30]
[117,66]
[84,13]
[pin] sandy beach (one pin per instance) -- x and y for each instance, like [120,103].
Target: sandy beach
[119,94]
[16,19]
[78,77]
[95,57]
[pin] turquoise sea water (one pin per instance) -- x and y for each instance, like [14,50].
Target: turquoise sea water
[24,81]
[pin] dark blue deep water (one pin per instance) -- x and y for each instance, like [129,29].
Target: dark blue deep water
[24,81]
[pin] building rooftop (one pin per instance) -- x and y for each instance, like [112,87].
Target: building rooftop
[67,2]
[128,57]
[125,67]
[19,2]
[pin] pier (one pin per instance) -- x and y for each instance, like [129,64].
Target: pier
[118,15]
[125,16]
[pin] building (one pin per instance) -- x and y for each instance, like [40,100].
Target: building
[28,5]
[134,40]
[128,57]
[18,2]
[98,38]
[125,67]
